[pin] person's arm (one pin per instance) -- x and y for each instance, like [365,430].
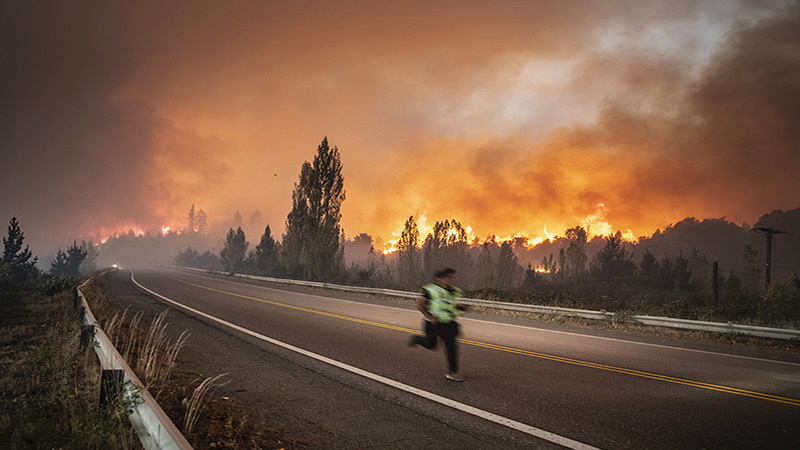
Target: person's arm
[422,306]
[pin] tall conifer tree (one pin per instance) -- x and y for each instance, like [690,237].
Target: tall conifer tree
[18,266]
[266,254]
[408,254]
[235,250]
[311,242]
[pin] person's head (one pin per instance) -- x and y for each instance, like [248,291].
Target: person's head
[445,277]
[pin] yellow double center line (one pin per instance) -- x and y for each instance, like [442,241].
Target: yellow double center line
[577,362]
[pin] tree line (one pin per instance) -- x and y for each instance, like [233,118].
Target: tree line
[19,274]
[599,273]
[611,276]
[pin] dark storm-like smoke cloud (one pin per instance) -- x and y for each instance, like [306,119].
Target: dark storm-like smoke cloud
[77,156]
[730,147]
[744,117]
[724,144]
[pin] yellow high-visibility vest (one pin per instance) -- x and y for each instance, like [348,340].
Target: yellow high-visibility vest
[443,303]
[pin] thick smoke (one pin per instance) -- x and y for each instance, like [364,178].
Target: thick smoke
[721,143]
[507,117]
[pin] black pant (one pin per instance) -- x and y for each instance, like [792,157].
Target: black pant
[448,333]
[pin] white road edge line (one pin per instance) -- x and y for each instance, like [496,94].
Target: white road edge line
[513,424]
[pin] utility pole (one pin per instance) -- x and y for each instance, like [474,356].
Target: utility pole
[769,232]
[715,283]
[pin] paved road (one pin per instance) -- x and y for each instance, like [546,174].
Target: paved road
[526,386]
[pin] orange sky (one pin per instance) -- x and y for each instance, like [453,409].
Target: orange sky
[507,116]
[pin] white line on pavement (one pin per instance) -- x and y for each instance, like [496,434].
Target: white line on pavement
[513,424]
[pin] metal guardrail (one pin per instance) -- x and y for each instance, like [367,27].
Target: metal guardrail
[714,327]
[751,330]
[155,429]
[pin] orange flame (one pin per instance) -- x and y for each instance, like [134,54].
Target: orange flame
[137,230]
[595,225]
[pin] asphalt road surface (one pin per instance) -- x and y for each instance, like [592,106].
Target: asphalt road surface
[338,366]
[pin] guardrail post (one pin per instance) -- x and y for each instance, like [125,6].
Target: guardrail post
[87,336]
[80,313]
[111,382]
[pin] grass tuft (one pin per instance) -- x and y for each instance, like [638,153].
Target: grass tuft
[198,402]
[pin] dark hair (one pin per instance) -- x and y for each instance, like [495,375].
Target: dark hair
[447,271]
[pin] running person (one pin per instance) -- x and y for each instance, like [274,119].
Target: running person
[439,305]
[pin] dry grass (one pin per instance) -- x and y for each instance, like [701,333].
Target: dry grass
[209,419]
[198,402]
[148,351]
[50,385]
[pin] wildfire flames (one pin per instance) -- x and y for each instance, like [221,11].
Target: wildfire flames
[134,229]
[595,225]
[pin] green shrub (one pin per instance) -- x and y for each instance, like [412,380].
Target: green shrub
[53,285]
[781,303]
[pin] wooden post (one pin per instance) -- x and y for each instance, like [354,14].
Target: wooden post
[87,336]
[111,382]
[769,261]
[80,313]
[769,232]
[715,283]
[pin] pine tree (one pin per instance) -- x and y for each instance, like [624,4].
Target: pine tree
[532,278]
[575,255]
[187,258]
[666,269]
[89,263]
[192,220]
[237,219]
[58,266]
[201,220]
[683,274]
[508,268]
[18,266]
[312,239]
[67,264]
[298,223]
[648,268]
[447,247]
[235,250]
[408,263]
[613,261]
[256,220]
[266,253]
[486,263]
[549,265]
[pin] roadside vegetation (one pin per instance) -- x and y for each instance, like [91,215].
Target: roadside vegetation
[50,382]
[601,274]
[50,385]
[194,404]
